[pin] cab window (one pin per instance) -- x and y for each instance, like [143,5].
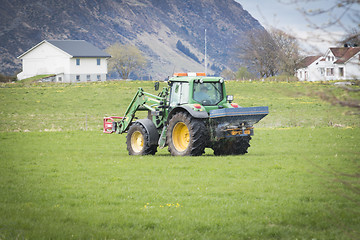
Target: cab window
[208,94]
[179,93]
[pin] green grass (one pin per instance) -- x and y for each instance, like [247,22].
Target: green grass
[58,181]
[83,185]
[69,107]
[35,78]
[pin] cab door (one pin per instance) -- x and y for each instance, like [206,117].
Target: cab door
[179,93]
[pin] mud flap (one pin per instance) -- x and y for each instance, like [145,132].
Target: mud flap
[151,129]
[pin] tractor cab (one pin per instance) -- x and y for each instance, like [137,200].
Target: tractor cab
[196,88]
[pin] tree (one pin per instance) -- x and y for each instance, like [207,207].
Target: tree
[4,78]
[270,53]
[352,39]
[243,74]
[228,74]
[260,53]
[288,51]
[125,59]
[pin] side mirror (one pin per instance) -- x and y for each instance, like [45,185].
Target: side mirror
[229,98]
[156,85]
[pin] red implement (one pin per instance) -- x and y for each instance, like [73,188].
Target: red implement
[108,124]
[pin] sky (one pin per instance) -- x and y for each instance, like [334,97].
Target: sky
[287,16]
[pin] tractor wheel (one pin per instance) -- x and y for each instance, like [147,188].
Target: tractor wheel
[186,136]
[137,141]
[233,146]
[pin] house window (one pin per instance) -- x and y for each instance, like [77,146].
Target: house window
[332,58]
[341,71]
[59,79]
[98,61]
[330,72]
[78,78]
[78,61]
[322,71]
[98,77]
[88,78]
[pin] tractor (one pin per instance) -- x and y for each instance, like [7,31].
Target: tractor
[190,114]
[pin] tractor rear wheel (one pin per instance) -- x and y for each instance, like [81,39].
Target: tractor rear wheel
[138,141]
[232,146]
[186,136]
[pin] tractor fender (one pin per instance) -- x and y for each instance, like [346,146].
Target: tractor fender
[192,112]
[150,129]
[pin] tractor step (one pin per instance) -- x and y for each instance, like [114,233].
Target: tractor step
[109,124]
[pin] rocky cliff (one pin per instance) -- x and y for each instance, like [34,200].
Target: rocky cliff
[155,26]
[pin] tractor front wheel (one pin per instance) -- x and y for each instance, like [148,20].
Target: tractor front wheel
[186,136]
[138,142]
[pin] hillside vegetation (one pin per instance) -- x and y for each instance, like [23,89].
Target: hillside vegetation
[153,26]
[62,178]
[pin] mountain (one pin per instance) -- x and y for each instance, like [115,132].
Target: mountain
[154,26]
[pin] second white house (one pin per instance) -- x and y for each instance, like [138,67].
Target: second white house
[337,64]
[66,60]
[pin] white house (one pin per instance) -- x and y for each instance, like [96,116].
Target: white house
[337,64]
[67,60]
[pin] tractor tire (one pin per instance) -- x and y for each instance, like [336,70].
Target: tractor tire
[138,141]
[186,136]
[232,146]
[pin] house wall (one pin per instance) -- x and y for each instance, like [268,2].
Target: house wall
[331,70]
[312,73]
[47,59]
[301,74]
[88,66]
[320,69]
[88,70]
[353,67]
[44,59]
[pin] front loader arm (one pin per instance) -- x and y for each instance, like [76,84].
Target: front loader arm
[142,101]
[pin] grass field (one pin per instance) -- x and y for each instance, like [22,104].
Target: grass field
[62,178]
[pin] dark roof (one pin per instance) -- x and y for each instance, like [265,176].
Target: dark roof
[78,48]
[338,52]
[346,53]
[307,61]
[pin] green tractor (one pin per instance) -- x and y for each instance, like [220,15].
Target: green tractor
[192,113]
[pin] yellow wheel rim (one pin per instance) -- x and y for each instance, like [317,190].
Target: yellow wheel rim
[137,141]
[181,136]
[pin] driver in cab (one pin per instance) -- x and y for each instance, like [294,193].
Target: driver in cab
[202,95]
